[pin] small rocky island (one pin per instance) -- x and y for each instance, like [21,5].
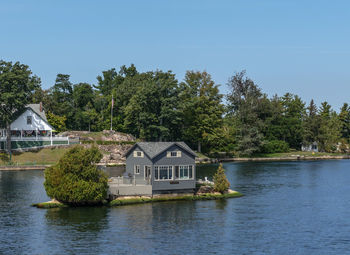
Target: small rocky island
[77,181]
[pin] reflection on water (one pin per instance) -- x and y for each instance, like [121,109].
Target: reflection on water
[288,208]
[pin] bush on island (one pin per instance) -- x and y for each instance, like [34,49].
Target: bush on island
[75,179]
[221,184]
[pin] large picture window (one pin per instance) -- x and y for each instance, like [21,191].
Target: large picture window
[184,172]
[163,172]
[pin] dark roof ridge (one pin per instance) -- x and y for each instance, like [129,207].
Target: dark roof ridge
[153,149]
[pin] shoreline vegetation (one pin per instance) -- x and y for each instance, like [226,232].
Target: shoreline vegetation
[244,120]
[131,200]
[39,160]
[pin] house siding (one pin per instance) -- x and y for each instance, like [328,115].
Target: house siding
[142,162]
[185,159]
[37,122]
[159,186]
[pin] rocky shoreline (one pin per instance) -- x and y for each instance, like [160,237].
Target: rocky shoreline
[151,199]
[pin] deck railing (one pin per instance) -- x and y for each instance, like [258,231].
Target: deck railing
[122,180]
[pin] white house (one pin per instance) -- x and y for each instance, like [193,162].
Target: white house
[31,123]
[313,147]
[31,129]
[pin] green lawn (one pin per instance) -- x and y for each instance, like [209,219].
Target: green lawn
[93,135]
[201,155]
[46,156]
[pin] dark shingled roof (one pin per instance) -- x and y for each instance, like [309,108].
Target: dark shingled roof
[152,149]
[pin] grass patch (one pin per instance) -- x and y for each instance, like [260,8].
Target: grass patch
[94,135]
[45,156]
[201,155]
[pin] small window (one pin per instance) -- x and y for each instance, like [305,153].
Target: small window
[138,154]
[29,120]
[173,154]
[137,169]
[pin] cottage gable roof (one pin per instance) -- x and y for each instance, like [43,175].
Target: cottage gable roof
[17,118]
[153,149]
[36,109]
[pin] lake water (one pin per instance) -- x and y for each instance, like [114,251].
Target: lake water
[288,208]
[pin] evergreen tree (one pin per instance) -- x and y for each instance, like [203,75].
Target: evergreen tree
[62,99]
[311,125]
[344,117]
[221,184]
[330,128]
[293,116]
[274,122]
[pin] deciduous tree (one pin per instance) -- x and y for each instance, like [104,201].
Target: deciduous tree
[201,108]
[17,86]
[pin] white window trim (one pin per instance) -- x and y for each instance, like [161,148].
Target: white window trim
[164,180]
[135,167]
[178,154]
[136,156]
[179,179]
[144,171]
[173,173]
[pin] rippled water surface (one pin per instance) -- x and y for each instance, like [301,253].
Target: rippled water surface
[288,208]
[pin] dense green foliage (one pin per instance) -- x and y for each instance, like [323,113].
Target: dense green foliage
[56,121]
[17,86]
[75,179]
[155,106]
[275,146]
[221,184]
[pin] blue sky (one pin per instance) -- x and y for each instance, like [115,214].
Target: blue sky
[302,47]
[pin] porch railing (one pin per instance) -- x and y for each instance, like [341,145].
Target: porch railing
[123,180]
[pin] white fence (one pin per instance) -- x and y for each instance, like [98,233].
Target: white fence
[19,143]
[39,138]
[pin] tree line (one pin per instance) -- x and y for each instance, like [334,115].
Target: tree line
[155,106]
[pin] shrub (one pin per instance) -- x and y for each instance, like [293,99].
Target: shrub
[275,146]
[75,179]
[221,184]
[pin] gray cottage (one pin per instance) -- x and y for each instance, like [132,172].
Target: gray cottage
[156,168]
